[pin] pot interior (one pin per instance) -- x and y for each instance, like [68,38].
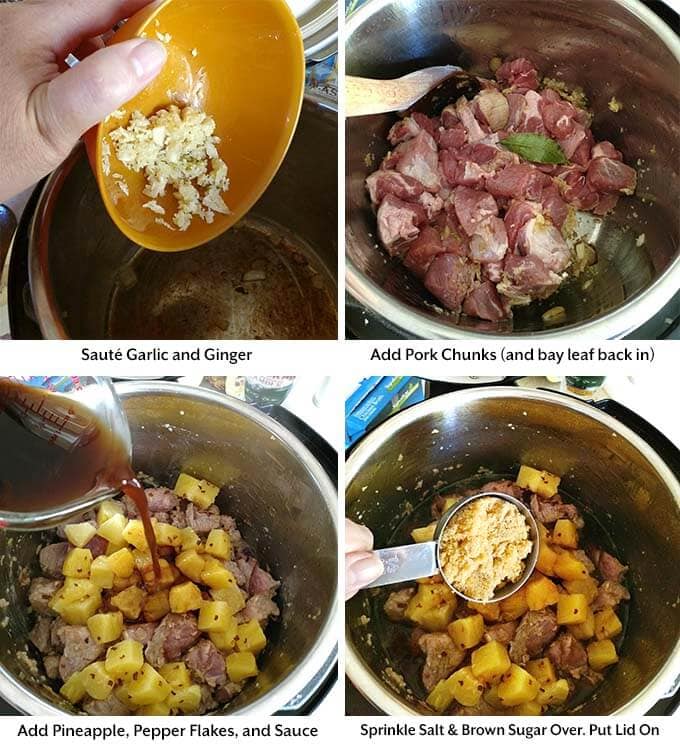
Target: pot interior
[98,284]
[266,487]
[478,435]
[606,48]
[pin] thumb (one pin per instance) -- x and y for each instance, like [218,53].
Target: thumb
[84,95]
[361,569]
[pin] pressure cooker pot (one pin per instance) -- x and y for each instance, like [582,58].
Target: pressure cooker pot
[614,49]
[274,488]
[625,478]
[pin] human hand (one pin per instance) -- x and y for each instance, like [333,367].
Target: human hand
[362,564]
[45,109]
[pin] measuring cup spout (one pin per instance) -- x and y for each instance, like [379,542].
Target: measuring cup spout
[404,563]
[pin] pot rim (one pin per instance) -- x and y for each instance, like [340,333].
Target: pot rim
[360,675]
[297,680]
[45,305]
[614,324]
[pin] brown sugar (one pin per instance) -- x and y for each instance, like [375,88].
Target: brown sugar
[484,547]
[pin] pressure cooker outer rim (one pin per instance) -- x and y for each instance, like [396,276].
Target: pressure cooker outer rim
[362,677]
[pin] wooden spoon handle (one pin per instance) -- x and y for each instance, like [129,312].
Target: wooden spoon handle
[368,96]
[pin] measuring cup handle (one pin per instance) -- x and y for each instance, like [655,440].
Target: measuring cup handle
[404,563]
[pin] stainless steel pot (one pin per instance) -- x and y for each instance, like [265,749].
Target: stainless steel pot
[285,505]
[621,480]
[318,20]
[612,48]
[87,281]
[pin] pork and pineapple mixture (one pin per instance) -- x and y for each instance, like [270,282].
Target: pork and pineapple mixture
[478,202]
[531,652]
[117,640]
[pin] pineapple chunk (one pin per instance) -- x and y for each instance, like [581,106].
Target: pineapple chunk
[122,563]
[191,564]
[517,686]
[568,567]
[607,624]
[542,670]
[156,606]
[201,493]
[565,534]
[240,666]
[154,709]
[572,609]
[513,607]
[130,602]
[107,627]
[73,689]
[529,708]
[232,594]
[101,573]
[112,529]
[432,607]
[601,654]
[541,593]
[77,563]
[419,535]
[146,686]
[167,535]
[490,612]
[539,482]
[467,689]
[225,639]
[214,615]
[120,584]
[124,659]
[78,612]
[189,539]
[111,548]
[218,544]
[177,674]
[467,631]
[153,582]
[215,575]
[546,559]
[97,682]
[79,534]
[490,662]
[441,696]
[250,638]
[491,697]
[586,629]
[74,589]
[586,586]
[553,693]
[108,509]
[187,700]
[185,598]
[133,534]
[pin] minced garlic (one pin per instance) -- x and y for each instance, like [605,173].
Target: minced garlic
[175,149]
[484,547]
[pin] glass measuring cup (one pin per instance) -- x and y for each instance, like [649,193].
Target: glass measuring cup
[413,561]
[64,442]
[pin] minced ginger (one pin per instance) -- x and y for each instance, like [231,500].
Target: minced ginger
[484,546]
[175,149]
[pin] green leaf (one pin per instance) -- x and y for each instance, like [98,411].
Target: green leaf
[535,148]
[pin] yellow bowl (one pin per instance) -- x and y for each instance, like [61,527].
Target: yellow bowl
[250,57]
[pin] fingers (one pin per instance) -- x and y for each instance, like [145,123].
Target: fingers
[361,569]
[357,538]
[84,95]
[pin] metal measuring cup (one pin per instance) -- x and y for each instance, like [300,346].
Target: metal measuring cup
[413,561]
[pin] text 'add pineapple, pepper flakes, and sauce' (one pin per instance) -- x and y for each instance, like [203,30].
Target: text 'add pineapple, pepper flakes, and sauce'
[535,650]
[479,202]
[117,639]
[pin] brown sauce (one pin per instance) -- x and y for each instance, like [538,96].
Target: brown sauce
[56,450]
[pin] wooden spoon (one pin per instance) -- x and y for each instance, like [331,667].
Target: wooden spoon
[428,90]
